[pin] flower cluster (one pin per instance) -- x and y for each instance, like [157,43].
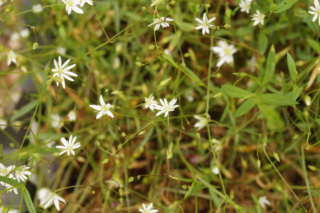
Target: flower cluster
[163,107]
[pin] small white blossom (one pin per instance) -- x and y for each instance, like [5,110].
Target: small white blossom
[21,173]
[61,50]
[56,121]
[54,198]
[14,36]
[263,201]
[245,5]
[102,109]
[201,123]
[24,33]
[69,147]
[72,115]
[4,171]
[215,170]
[225,52]
[82,2]
[150,103]
[37,8]
[63,72]
[165,107]
[11,58]
[10,187]
[204,24]
[163,22]
[315,11]
[3,124]
[73,5]
[258,18]
[147,209]
[1,3]
[44,194]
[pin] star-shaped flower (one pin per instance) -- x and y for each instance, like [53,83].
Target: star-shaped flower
[263,201]
[147,209]
[165,107]
[202,122]
[11,58]
[73,5]
[102,109]
[69,146]
[82,2]
[204,24]
[245,5]
[163,22]
[61,71]
[54,198]
[258,18]
[21,173]
[315,11]
[225,52]
[150,103]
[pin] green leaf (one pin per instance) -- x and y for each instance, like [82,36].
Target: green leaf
[35,45]
[28,201]
[25,192]
[131,179]
[291,67]
[245,107]
[262,42]
[24,110]
[105,161]
[235,92]
[270,66]
[272,117]
[277,99]
[314,45]
[285,5]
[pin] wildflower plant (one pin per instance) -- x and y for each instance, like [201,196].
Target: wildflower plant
[166,106]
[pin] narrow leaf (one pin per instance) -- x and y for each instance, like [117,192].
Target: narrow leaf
[285,5]
[291,67]
[245,107]
[262,42]
[276,156]
[277,99]
[235,92]
[28,201]
[314,45]
[270,66]
[24,110]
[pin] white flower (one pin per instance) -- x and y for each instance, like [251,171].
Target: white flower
[6,210]
[258,18]
[148,209]
[4,171]
[215,170]
[73,5]
[10,187]
[61,50]
[263,201]
[150,103]
[224,52]
[201,123]
[72,115]
[21,173]
[37,8]
[24,33]
[160,22]
[63,72]
[102,109]
[165,107]
[44,194]
[205,24]
[1,3]
[82,2]
[3,124]
[54,198]
[14,36]
[315,11]
[56,121]
[245,5]
[69,146]
[11,58]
